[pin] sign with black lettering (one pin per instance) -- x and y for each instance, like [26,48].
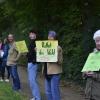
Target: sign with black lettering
[47,51]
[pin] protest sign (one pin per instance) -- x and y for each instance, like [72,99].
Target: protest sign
[92,63]
[47,51]
[21,46]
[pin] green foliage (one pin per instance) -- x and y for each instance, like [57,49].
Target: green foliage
[6,93]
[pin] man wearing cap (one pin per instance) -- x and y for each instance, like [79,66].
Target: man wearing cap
[92,91]
[52,73]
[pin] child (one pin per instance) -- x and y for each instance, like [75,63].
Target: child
[92,90]
[52,72]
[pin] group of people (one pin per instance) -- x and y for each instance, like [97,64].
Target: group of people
[51,71]
[9,56]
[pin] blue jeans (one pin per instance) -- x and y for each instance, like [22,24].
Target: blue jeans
[32,75]
[52,87]
[15,77]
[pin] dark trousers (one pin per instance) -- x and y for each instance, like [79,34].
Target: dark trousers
[0,67]
[3,70]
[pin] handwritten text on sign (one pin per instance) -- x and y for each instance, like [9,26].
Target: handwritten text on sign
[47,51]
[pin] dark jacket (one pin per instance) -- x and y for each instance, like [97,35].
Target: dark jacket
[31,55]
[5,49]
[2,46]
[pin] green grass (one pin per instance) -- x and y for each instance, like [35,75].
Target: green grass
[6,93]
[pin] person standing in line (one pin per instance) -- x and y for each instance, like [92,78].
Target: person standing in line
[1,55]
[4,59]
[12,61]
[33,67]
[52,72]
[92,90]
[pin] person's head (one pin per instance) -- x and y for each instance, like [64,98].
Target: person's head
[10,38]
[51,35]
[32,35]
[96,37]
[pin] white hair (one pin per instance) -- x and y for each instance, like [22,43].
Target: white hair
[96,34]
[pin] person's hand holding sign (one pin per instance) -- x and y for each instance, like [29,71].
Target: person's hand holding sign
[35,49]
[90,73]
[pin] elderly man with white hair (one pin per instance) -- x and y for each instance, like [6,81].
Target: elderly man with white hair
[92,91]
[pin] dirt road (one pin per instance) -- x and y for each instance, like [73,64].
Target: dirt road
[67,92]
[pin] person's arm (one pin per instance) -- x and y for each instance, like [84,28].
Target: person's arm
[18,53]
[60,55]
[18,56]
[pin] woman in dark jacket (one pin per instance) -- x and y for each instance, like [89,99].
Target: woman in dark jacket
[4,61]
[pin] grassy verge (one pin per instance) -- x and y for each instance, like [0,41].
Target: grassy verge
[6,93]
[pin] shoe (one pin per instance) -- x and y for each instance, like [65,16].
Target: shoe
[32,99]
[1,80]
[7,80]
